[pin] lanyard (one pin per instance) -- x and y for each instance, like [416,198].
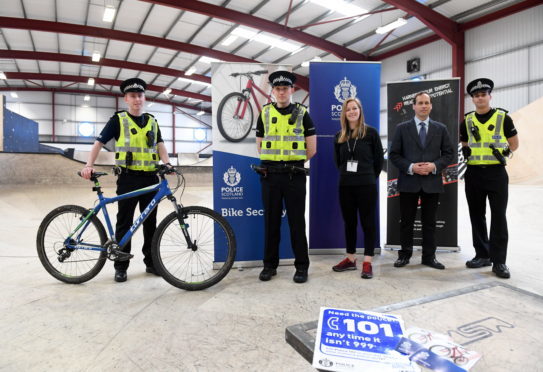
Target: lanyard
[351,153]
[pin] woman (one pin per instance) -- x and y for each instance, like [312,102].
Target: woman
[359,158]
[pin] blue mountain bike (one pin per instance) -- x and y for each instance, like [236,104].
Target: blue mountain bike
[193,248]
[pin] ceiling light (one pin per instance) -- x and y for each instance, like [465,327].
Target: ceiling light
[340,7]
[391,26]
[96,57]
[14,95]
[190,71]
[193,81]
[109,13]
[3,76]
[205,59]
[245,32]
[229,40]
[150,104]
[200,113]
[276,42]
[86,98]
[90,81]
[167,91]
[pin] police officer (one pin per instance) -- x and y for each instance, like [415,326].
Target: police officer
[487,135]
[139,147]
[285,139]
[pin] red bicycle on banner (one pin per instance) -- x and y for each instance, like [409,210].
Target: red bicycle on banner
[235,114]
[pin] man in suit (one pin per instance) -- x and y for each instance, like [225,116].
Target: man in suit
[421,149]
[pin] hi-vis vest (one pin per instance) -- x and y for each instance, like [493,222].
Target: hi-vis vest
[481,153]
[283,141]
[133,139]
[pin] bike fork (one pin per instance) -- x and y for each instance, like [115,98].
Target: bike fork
[182,224]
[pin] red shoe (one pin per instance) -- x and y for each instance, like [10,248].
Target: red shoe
[367,271]
[344,265]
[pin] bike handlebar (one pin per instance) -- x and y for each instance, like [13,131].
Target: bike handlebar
[249,74]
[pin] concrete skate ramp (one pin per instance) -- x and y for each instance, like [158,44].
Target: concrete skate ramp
[526,165]
[29,168]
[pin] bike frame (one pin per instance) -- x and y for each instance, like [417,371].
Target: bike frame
[249,92]
[162,190]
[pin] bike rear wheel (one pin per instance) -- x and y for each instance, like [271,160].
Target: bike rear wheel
[202,266]
[72,266]
[232,127]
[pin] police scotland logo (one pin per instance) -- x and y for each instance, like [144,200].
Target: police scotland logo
[232,178]
[345,89]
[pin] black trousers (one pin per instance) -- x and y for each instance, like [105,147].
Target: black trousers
[359,200]
[125,215]
[279,188]
[481,183]
[408,210]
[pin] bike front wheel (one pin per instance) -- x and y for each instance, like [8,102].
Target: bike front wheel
[70,265]
[233,127]
[207,259]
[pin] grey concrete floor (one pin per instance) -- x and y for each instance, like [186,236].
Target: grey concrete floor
[239,324]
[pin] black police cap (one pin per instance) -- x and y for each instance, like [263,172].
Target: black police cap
[282,78]
[133,85]
[480,85]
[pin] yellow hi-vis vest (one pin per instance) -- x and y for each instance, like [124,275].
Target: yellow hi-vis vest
[481,153]
[133,139]
[283,141]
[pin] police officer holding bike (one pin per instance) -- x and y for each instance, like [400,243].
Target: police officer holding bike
[285,139]
[139,147]
[488,136]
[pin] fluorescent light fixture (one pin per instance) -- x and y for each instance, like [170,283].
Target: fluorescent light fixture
[200,113]
[193,81]
[340,7]
[86,98]
[276,42]
[205,59]
[229,40]
[391,26]
[190,71]
[96,57]
[246,32]
[150,104]
[14,94]
[315,59]
[2,75]
[90,81]
[109,13]
[167,91]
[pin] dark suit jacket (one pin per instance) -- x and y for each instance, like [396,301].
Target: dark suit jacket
[406,149]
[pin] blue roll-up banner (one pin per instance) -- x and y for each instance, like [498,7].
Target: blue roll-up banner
[331,83]
[236,187]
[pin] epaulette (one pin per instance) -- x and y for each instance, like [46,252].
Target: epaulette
[501,109]
[467,113]
[149,114]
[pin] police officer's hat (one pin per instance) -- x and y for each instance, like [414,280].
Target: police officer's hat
[133,85]
[480,85]
[282,78]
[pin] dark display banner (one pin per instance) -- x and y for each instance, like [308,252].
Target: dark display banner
[445,95]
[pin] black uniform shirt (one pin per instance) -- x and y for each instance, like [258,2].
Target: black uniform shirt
[113,127]
[309,127]
[369,154]
[509,129]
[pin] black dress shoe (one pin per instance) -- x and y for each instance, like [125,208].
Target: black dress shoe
[478,262]
[151,270]
[434,263]
[401,262]
[267,273]
[501,271]
[300,276]
[120,276]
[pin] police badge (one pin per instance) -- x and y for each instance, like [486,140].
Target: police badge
[345,89]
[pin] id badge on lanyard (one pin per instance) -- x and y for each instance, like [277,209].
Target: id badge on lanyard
[352,165]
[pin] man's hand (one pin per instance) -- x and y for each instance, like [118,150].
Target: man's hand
[87,172]
[420,169]
[428,167]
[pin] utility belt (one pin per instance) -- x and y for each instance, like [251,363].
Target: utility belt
[264,170]
[124,171]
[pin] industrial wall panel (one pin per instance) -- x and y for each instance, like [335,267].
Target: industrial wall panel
[534,61]
[517,30]
[535,92]
[504,69]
